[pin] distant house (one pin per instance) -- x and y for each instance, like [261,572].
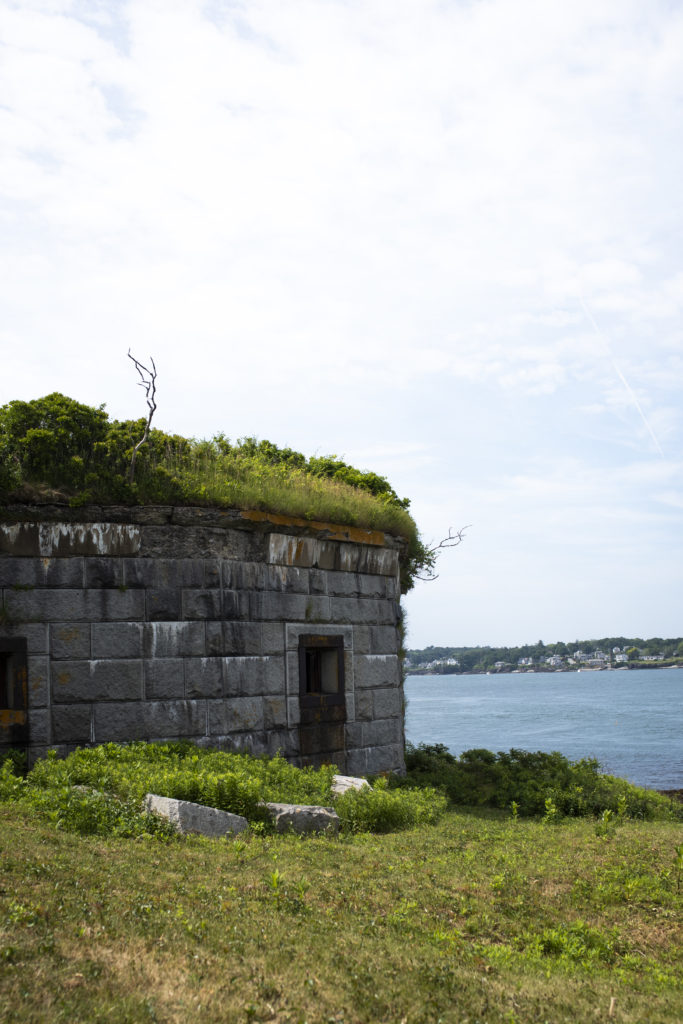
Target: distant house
[524,662]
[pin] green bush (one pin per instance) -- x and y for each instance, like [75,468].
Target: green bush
[381,809]
[100,789]
[60,444]
[480,778]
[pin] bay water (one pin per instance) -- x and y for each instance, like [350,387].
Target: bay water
[631,721]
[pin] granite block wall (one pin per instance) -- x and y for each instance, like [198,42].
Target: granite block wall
[167,623]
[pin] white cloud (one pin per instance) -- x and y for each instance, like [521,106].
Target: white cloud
[365,226]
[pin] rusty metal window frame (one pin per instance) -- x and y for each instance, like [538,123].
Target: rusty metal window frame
[310,644]
[13,673]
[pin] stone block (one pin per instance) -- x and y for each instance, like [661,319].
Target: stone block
[71,723]
[35,634]
[381,733]
[111,605]
[274,712]
[368,558]
[383,640]
[21,572]
[203,677]
[66,573]
[372,586]
[196,818]
[235,604]
[285,579]
[201,604]
[175,718]
[103,572]
[233,638]
[39,726]
[120,723]
[393,591]
[376,670]
[176,573]
[69,640]
[139,573]
[61,540]
[164,678]
[293,631]
[364,707]
[289,607]
[357,760]
[174,640]
[272,638]
[354,734]
[163,605]
[388,612]
[302,818]
[387,703]
[20,539]
[238,714]
[343,584]
[74,681]
[256,676]
[241,575]
[317,582]
[385,759]
[38,678]
[282,741]
[354,610]
[116,640]
[343,783]
[212,572]
[361,639]
[293,711]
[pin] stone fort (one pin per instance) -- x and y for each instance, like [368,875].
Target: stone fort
[246,631]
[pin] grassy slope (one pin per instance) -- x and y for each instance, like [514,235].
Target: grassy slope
[473,919]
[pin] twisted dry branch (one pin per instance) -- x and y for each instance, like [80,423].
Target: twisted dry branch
[149,383]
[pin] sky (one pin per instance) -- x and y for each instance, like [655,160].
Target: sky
[438,238]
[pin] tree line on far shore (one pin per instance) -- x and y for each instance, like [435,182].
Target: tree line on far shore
[454,660]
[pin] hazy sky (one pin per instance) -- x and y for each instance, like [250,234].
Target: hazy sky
[439,238]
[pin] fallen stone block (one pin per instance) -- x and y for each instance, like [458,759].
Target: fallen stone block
[189,817]
[302,818]
[343,783]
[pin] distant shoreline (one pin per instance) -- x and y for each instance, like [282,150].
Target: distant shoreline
[543,670]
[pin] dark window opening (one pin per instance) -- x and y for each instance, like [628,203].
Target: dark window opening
[13,674]
[321,669]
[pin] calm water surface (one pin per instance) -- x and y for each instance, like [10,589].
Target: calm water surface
[632,721]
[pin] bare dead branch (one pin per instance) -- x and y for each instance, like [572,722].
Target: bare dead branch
[426,572]
[148,381]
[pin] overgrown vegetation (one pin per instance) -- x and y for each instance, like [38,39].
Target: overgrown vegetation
[58,449]
[99,790]
[533,784]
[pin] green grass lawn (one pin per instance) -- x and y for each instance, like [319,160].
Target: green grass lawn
[479,918]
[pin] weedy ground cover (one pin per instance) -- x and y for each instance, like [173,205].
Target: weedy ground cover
[480,917]
[100,790]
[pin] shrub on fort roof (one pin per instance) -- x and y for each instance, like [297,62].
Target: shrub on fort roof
[74,451]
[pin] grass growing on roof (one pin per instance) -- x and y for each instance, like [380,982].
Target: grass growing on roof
[56,448]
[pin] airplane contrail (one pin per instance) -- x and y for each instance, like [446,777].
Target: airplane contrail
[617,370]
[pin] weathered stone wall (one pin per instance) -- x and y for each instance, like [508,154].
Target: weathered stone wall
[161,623]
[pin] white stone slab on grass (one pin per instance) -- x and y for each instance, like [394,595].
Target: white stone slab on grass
[342,783]
[302,818]
[189,817]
